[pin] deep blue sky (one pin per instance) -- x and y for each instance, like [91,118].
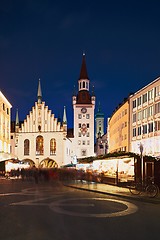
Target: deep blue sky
[46,39]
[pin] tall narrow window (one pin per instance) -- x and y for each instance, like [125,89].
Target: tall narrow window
[134,118]
[134,132]
[150,111]
[39,145]
[157,91]
[134,103]
[145,113]
[145,129]
[52,146]
[139,130]
[150,127]
[157,125]
[87,85]
[150,95]
[144,98]
[139,115]
[26,147]
[157,108]
[139,101]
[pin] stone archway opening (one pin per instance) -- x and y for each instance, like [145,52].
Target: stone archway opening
[48,163]
[30,162]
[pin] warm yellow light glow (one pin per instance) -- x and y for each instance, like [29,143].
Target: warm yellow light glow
[124,167]
[0,145]
[15,166]
[5,147]
[5,99]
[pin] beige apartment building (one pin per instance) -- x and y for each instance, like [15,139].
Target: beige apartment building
[5,118]
[118,128]
[145,119]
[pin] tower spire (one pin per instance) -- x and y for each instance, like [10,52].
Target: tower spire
[64,116]
[83,82]
[17,118]
[83,72]
[64,120]
[17,122]
[39,94]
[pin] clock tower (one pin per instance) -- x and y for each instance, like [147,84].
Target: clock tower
[83,107]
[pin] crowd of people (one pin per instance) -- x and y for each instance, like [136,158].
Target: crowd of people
[51,174]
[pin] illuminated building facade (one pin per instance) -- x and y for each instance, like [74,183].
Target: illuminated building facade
[136,122]
[145,119]
[83,107]
[101,146]
[42,139]
[5,121]
[118,128]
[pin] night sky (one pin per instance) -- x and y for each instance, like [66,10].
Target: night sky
[46,39]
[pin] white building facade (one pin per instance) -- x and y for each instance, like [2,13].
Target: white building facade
[145,120]
[42,139]
[83,107]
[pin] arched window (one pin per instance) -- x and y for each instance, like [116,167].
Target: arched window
[52,146]
[26,147]
[87,85]
[39,145]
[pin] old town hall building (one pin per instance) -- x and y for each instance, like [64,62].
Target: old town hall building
[83,106]
[43,140]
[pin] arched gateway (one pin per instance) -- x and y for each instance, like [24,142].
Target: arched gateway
[29,161]
[45,163]
[48,163]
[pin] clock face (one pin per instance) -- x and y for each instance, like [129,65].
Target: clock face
[83,110]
